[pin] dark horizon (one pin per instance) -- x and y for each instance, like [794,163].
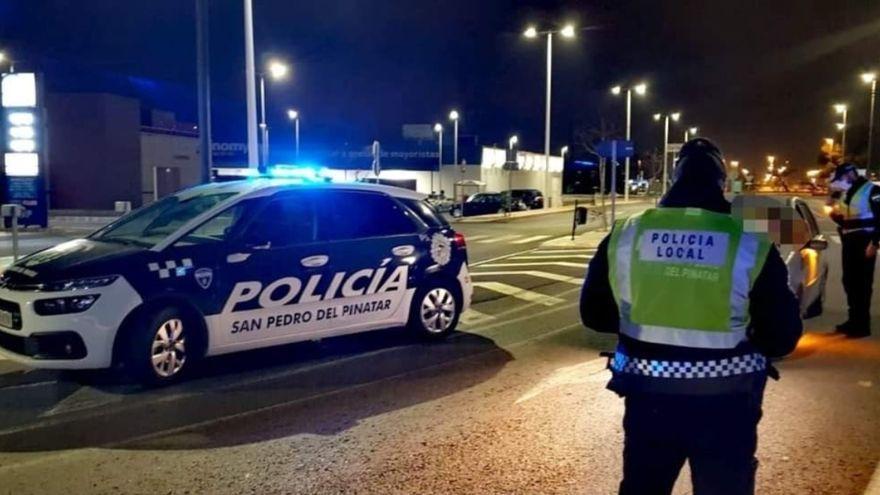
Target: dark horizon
[759,79]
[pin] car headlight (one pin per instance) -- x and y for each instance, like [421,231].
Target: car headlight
[78,284]
[64,305]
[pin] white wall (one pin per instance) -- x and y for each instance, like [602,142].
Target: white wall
[529,176]
[168,151]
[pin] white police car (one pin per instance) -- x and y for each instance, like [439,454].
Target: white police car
[232,266]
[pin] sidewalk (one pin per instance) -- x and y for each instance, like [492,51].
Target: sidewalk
[494,217]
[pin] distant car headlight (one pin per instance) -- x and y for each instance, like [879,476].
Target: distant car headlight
[78,284]
[64,305]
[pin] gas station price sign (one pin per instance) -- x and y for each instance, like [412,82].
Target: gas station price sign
[23,170]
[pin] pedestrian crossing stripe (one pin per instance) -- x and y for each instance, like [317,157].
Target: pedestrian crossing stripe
[503,238]
[533,273]
[835,239]
[533,238]
[568,264]
[551,256]
[519,293]
[473,317]
[563,251]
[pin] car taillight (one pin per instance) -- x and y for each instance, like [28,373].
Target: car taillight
[459,241]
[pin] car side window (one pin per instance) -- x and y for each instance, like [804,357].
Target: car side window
[224,226]
[358,214]
[808,217]
[285,220]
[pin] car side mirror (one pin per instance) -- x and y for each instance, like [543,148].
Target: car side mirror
[818,243]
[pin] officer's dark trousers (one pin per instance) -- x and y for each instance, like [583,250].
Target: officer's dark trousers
[716,434]
[858,278]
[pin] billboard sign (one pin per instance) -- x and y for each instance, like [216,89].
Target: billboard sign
[23,153]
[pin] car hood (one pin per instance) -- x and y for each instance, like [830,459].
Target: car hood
[72,259]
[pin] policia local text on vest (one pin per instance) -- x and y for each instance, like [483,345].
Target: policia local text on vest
[699,306]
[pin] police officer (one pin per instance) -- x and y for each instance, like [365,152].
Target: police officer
[699,306]
[857,215]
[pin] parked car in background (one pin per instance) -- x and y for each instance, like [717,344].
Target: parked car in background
[442,203]
[485,203]
[532,199]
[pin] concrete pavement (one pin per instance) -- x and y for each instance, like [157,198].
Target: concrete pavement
[515,403]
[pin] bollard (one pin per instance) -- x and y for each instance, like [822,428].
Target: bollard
[13,212]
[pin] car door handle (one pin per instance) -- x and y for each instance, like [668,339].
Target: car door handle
[404,250]
[316,261]
[237,257]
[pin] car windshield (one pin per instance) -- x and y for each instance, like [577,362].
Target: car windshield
[149,225]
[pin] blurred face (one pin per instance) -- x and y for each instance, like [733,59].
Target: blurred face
[844,182]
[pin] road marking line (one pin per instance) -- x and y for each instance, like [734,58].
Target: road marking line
[474,237]
[502,238]
[473,317]
[563,251]
[519,293]
[531,239]
[535,273]
[530,263]
[553,256]
[834,238]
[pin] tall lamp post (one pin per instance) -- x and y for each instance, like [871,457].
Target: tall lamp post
[665,117]
[531,32]
[293,115]
[438,128]
[871,78]
[276,71]
[453,116]
[253,153]
[640,89]
[841,109]
[689,133]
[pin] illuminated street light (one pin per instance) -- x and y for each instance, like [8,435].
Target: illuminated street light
[640,89]
[871,78]
[734,163]
[567,31]
[276,71]
[690,133]
[513,141]
[293,115]
[657,117]
[563,151]
[453,116]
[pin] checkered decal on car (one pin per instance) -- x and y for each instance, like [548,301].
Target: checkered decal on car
[171,268]
[737,365]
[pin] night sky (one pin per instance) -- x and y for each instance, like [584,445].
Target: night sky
[758,77]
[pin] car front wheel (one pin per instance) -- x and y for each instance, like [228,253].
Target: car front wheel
[435,310]
[158,351]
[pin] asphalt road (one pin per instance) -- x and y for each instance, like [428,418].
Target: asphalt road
[514,403]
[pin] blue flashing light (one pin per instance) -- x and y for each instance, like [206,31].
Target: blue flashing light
[304,172]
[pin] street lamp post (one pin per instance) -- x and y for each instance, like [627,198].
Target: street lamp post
[438,128]
[841,108]
[674,116]
[690,133]
[293,115]
[453,116]
[251,93]
[277,71]
[640,90]
[871,78]
[531,32]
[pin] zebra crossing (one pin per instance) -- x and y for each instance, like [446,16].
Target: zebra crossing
[534,277]
[516,239]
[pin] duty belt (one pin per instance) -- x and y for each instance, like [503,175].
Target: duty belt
[717,368]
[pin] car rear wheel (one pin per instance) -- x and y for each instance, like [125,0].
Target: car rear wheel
[435,310]
[157,350]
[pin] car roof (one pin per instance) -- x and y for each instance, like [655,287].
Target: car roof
[265,186]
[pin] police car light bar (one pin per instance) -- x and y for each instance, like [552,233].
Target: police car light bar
[304,173]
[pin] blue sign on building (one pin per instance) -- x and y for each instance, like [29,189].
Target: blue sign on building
[625,148]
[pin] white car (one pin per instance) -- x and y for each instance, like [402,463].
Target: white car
[233,266]
[807,262]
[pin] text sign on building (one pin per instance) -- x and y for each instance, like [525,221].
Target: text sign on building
[23,146]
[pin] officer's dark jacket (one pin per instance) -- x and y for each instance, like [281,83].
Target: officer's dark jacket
[775,316]
[874,196]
